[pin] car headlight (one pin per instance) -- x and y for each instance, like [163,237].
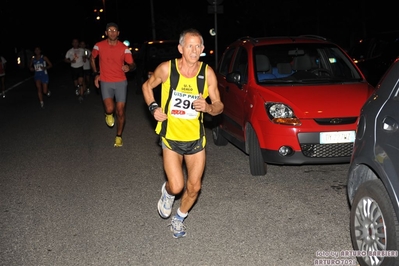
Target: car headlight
[280,113]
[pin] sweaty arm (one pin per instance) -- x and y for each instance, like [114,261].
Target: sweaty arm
[128,67]
[67,59]
[49,64]
[93,63]
[129,62]
[96,74]
[160,75]
[216,106]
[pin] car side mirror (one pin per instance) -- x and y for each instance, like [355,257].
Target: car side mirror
[234,77]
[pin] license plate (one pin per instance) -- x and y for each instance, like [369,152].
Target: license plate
[337,137]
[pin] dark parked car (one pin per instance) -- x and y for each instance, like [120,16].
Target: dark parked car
[374,54]
[289,100]
[150,55]
[373,177]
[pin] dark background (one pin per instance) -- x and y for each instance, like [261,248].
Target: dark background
[52,25]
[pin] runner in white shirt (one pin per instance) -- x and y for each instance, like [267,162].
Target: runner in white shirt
[86,67]
[74,56]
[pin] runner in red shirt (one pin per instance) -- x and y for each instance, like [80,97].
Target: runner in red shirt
[115,59]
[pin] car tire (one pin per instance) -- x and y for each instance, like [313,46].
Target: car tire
[218,139]
[372,210]
[257,164]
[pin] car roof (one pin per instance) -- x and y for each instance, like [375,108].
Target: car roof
[282,40]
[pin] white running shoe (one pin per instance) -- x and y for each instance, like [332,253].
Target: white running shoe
[177,227]
[165,203]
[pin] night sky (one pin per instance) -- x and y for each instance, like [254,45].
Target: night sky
[52,25]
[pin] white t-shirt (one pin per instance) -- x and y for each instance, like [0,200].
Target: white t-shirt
[77,54]
[86,65]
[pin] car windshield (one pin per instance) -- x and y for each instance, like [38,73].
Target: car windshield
[303,62]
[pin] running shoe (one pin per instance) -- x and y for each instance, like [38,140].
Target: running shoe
[118,142]
[177,227]
[77,91]
[165,203]
[109,120]
[87,92]
[48,93]
[42,105]
[4,94]
[80,99]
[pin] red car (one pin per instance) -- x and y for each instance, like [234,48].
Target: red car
[289,101]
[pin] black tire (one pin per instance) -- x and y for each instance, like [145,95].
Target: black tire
[257,164]
[218,139]
[371,212]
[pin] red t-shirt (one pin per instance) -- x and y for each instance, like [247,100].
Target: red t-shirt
[111,60]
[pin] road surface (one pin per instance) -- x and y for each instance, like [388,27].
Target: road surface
[68,197]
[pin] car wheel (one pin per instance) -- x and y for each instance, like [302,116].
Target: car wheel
[373,224]
[256,163]
[218,139]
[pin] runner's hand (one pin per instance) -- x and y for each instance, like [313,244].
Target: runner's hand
[200,105]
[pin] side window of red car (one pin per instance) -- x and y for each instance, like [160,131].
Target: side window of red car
[225,63]
[241,65]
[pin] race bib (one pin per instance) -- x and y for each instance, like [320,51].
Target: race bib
[38,67]
[182,105]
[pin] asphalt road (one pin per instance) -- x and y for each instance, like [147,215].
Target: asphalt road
[68,197]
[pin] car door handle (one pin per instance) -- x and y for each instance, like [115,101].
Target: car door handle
[389,124]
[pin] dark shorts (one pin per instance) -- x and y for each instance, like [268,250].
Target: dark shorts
[87,72]
[114,89]
[77,72]
[184,147]
[42,77]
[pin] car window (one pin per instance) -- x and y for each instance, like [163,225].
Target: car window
[305,61]
[225,62]
[241,65]
[340,65]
